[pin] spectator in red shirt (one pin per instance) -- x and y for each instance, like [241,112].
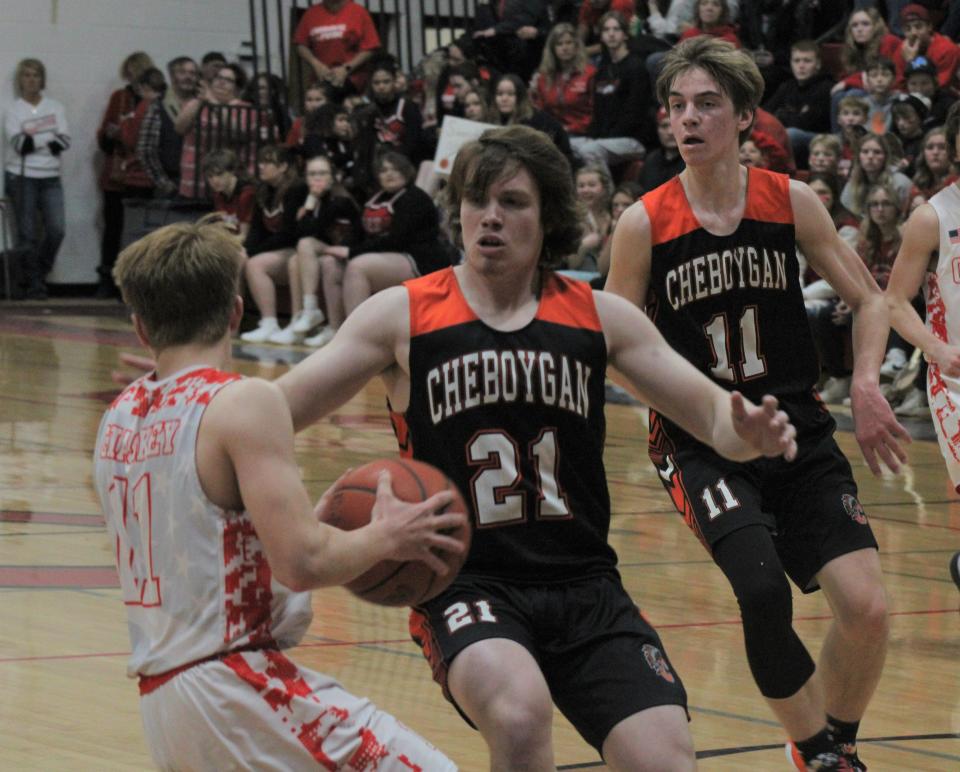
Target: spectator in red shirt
[336,38]
[588,21]
[712,17]
[563,86]
[234,195]
[921,40]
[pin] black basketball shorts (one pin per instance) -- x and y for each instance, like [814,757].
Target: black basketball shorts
[601,659]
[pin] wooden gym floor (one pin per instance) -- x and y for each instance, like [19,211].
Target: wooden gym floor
[66,704]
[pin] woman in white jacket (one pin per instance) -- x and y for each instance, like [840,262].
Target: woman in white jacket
[37,134]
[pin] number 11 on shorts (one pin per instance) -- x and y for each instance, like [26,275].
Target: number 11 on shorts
[719,492]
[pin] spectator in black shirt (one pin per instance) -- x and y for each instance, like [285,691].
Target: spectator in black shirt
[665,162]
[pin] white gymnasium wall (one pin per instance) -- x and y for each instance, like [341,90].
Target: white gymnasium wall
[82,43]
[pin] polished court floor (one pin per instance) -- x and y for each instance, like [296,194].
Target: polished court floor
[66,704]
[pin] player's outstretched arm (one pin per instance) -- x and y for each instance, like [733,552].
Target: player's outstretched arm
[372,340]
[247,435]
[877,429]
[734,426]
[921,242]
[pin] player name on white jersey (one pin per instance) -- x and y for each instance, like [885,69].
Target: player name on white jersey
[708,275]
[486,377]
[128,447]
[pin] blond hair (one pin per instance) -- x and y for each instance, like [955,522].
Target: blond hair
[135,65]
[181,281]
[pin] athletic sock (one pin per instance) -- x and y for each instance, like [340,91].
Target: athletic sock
[844,732]
[821,742]
[310,303]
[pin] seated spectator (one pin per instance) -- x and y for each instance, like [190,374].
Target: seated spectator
[510,34]
[330,133]
[314,97]
[122,175]
[830,320]
[37,133]
[563,85]
[511,104]
[824,155]
[273,235]
[909,113]
[866,40]
[328,218]
[921,40]
[770,125]
[205,125]
[664,163]
[934,168]
[921,79]
[400,241]
[624,195]
[594,192]
[827,186]
[852,117]
[761,151]
[621,101]
[879,83]
[476,105]
[337,38]
[234,195]
[802,103]
[590,21]
[712,17]
[871,167]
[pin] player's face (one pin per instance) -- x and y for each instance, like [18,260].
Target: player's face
[504,230]
[382,86]
[589,187]
[506,97]
[804,65]
[319,176]
[313,99]
[872,157]
[612,34]
[703,119]
[861,26]
[822,159]
[935,153]
[823,193]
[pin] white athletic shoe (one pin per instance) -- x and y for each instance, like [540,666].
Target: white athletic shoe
[322,338]
[914,405]
[262,333]
[307,320]
[285,337]
[835,389]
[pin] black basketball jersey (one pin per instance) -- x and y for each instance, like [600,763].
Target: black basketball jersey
[733,305]
[516,420]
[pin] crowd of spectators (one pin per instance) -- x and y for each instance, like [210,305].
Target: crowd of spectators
[334,191]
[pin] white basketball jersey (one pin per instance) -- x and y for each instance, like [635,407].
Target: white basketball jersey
[942,288]
[194,577]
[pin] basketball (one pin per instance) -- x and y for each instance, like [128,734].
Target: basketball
[391,582]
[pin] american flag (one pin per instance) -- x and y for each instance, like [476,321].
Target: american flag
[954,236]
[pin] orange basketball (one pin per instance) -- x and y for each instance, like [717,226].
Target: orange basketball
[391,582]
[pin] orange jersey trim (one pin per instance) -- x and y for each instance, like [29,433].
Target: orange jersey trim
[768,200]
[436,302]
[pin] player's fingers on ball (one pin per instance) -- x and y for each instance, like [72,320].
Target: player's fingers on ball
[448,520]
[436,564]
[384,484]
[438,501]
[447,544]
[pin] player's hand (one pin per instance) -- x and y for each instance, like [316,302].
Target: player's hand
[416,529]
[327,495]
[948,357]
[142,365]
[766,427]
[877,430]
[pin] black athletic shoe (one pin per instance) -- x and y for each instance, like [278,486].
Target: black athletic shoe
[849,752]
[955,569]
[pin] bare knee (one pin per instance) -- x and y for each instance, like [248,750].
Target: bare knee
[518,730]
[865,615]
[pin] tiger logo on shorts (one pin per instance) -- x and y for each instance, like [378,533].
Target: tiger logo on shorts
[657,663]
[854,508]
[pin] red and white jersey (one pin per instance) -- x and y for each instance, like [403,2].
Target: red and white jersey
[942,290]
[194,577]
